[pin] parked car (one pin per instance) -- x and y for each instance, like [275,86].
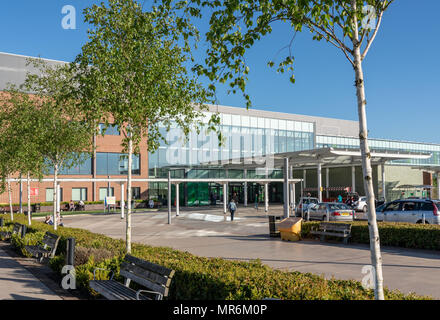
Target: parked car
[361,204]
[411,211]
[335,211]
[303,204]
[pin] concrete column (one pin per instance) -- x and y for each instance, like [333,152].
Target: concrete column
[266,191]
[291,195]
[286,188]
[304,182]
[122,200]
[266,197]
[293,198]
[384,193]
[225,198]
[319,182]
[353,179]
[438,185]
[169,197]
[177,199]
[327,182]
[245,189]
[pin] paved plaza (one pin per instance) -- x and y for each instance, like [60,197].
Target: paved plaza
[208,232]
[18,283]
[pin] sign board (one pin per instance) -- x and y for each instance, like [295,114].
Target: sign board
[110,200]
[34,192]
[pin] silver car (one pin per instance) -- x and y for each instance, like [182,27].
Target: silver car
[330,211]
[303,204]
[411,211]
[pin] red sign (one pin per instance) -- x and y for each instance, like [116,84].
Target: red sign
[34,192]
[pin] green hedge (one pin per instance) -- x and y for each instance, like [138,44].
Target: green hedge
[405,235]
[47,203]
[199,277]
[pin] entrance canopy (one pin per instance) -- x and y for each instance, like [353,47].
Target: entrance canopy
[326,157]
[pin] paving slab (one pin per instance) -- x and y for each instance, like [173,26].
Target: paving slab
[18,283]
[208,232]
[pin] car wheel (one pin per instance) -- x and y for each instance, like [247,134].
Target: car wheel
[421,221]
[324,218]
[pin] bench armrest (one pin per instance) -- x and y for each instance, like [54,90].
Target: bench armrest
[159,295]
[94,270]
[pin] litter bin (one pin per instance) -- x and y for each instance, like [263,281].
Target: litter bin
[273,226]
[290,229]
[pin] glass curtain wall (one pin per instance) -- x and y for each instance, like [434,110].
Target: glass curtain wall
[244,137]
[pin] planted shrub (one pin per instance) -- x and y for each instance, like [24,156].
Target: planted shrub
[200,278]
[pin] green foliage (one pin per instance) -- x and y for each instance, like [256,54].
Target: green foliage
[199,278]
[405,235]
[235,26]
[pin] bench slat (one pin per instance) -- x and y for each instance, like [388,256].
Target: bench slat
[114,290]
[154,277]
[145,282]
[150,266]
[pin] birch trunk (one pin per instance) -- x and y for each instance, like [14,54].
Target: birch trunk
[10,199]
[29,198]
[376,258]
[55,196]
[128,219]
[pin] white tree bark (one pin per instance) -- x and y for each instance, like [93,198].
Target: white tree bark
[128,219]
[10,199]
[55,196]
[376,258]
[29,198]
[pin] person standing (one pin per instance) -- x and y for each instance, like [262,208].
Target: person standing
[232,208]
[339,198]
[256,201]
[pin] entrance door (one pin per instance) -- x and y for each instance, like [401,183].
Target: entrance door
[237,191]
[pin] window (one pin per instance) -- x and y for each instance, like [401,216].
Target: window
[103,193]
[393,206]
[49,194]
[427,206]
[135,192]
[410,206]
[79,194]
[116,164]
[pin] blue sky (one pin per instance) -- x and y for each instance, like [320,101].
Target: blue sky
[401,70]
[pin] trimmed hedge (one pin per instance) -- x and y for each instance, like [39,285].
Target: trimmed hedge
[199,277]
[396,234]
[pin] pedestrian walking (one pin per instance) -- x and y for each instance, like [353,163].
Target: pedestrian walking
[232,208]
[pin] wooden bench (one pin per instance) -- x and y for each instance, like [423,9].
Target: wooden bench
[155,278]
[8,234]
[342,230]
[47,249]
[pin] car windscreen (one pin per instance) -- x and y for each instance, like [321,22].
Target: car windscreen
[309,201]
[343,206]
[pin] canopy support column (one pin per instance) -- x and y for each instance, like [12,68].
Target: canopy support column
[319,182]
[225,198]
[177,199]
[286,188]
[327,182]
[384,192]
[245,189]
[353,179]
